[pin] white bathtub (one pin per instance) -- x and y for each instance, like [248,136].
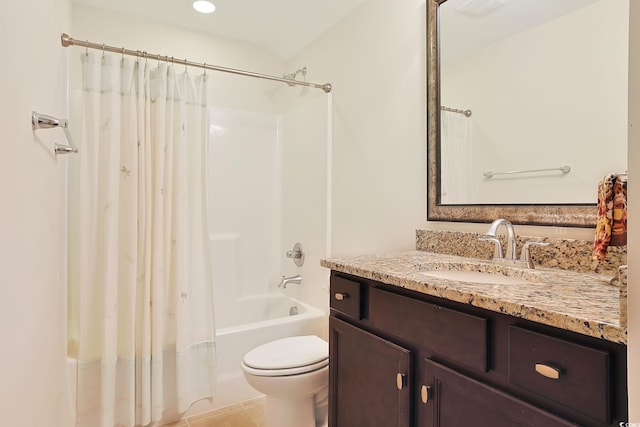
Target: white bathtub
[256,320]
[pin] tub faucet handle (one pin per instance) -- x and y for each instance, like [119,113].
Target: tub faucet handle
[293,254]
[297,254]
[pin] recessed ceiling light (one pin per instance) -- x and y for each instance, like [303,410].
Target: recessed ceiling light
[204,6]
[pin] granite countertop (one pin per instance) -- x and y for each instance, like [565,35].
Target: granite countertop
[586,303]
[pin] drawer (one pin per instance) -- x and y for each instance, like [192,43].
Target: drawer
[451,334]
[346,297]
[573,375]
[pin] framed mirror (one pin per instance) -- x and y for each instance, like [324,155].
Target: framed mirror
[524,118]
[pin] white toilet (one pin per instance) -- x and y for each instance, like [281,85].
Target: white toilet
[293,373]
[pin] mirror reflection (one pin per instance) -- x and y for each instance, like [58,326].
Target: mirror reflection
[544,87]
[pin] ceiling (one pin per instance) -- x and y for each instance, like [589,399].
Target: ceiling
[281,26]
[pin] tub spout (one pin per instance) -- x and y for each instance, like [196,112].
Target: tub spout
[292,279]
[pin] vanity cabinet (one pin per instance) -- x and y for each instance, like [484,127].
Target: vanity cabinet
[372,378]
[403,358]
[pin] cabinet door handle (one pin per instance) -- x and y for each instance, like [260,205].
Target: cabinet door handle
[401,381]
[341,296]
[425,393]
[549,371]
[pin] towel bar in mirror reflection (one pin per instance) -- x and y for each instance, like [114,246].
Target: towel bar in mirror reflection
[564,169]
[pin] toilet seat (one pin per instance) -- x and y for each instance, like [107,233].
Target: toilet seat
[287,356]
[285,372]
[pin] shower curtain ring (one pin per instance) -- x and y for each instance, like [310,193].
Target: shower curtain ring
[185,65]
[204,68]
[86,48]
[103,50]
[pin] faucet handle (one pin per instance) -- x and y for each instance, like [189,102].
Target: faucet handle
[297,254]
[497,252]
[525,255]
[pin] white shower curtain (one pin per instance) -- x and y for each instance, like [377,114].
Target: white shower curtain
[141,321]
[456,159]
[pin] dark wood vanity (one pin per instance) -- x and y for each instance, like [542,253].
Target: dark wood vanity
[403,358]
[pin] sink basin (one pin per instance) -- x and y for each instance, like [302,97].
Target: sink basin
[480,272]
[475,277]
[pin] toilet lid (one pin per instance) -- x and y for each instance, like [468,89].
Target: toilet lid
[289,352]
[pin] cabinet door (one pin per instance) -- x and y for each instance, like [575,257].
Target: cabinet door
[451,399]
[370,379]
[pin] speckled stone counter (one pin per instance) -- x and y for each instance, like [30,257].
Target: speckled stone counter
[586,303]
[566,254]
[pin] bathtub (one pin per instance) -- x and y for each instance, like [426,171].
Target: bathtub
[256,320]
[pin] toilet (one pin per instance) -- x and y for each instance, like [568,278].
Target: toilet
[293,374]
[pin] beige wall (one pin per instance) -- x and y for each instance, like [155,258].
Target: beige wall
[31,218]
[375,60]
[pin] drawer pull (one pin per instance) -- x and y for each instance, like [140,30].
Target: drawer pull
[340,296]
[548,371]
[401,381]
[425,393]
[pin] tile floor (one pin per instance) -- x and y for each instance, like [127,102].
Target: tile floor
[245,414]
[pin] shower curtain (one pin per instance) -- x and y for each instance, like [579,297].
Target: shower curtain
[456,176]
[141,321]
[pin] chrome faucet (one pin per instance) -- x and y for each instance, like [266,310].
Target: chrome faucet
[511,238]
[292,279]
[510,258]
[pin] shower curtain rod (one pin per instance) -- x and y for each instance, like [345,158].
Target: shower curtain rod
[70,41]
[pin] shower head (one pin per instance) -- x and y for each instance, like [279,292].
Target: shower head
[292,76]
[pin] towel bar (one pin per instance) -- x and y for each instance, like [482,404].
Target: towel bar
[45,121]
[564,169]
